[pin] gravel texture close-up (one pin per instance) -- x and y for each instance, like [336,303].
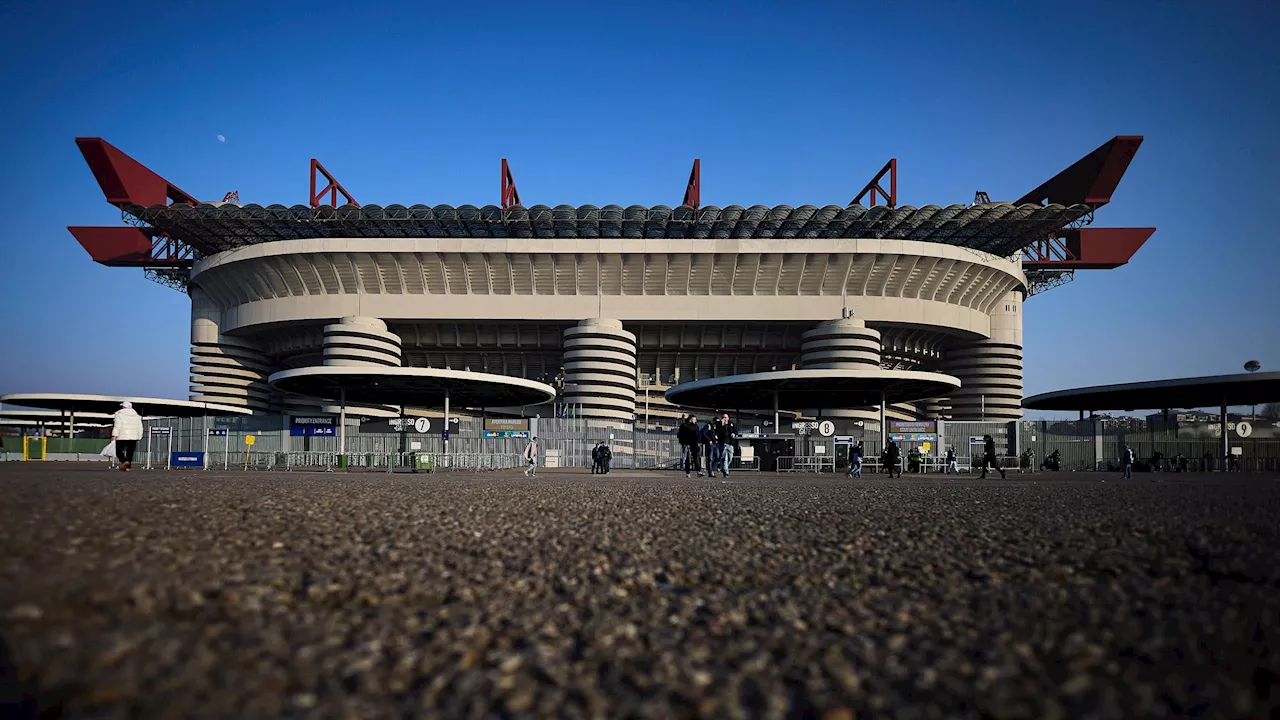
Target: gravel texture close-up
[636,594]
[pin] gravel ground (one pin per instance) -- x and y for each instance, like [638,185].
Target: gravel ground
[637,595]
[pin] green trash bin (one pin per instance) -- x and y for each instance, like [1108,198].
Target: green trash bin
[422,463]
[342,462]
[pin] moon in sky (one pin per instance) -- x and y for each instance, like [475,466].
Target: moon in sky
[221,139]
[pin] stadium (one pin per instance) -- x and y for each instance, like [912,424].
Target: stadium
[616,306]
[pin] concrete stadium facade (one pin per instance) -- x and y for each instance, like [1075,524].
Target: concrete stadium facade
[622,318]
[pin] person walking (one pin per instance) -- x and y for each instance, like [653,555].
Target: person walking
[687,436]
[595,458]
[606,458]
[892,455]
[953,466]
[1126,460]
[855,462]
[126,431]
[707,441]
[531,457]
[726,438]
[989,457]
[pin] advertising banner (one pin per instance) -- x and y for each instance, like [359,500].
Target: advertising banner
[506,424]
[321,425]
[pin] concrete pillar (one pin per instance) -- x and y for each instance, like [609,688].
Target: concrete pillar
[990,371]
[224,370]
[600,370]
[846,343]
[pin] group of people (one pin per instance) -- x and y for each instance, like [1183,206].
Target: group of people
[601,457]
[891,457]
[713,441]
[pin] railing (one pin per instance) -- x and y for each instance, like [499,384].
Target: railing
[806,463]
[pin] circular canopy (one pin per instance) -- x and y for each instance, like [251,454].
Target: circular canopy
[1238,389]
[49,417]
[818,389]
[422,387]
[108,404]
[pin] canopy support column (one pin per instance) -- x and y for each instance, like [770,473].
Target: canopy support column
[1222,423]
[776,427]
[884,424]
[342,427]
[445,432]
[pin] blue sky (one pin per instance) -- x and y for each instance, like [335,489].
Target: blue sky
[607,102]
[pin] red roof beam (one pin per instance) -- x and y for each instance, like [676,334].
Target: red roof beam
[126,181]
[1092,179]
[693,190]
[891,196]
[510,196]
[122,246]
[1093,249]
[333,188]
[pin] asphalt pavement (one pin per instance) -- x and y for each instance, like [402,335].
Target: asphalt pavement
[636,594]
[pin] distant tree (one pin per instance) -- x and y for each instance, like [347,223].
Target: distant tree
[1271,411]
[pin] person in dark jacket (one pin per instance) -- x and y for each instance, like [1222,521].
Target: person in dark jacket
[597,458]
[707,439]
[687,435]
[892,454]
[726,438]
[989,456]
[606,458]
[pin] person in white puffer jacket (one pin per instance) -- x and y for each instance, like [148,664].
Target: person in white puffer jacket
[126,433]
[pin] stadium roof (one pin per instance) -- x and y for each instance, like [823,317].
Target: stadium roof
[998,228]
[1238,389]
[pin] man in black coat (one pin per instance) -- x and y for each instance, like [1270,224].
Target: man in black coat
[687,435]
[726,439]
[989,456]
[707,439]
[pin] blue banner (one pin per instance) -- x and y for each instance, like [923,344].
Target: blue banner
[187,459]
[316,425]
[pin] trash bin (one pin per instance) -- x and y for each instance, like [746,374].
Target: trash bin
[422,463]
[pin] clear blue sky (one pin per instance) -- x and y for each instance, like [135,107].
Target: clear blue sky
[608,102]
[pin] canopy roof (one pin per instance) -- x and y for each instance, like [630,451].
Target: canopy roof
[107,404]
[421,387]
[998,228]
[816,389]
[1240,389]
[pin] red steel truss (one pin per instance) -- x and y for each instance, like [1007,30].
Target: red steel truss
[510,195]
[891,196]
[333,188]
[693,190]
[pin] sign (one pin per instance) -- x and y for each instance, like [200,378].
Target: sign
[806,426]
[914,427]
[826,428]
[926,446]
[503,433]
[415,445]
[1244,429]
[217,432]
[444,434]
[250,440]
[322,425]
[819,450]
[506,424]
[844,439]
[750,436]
[186,459]
[409,424]
[914,437]
[160,430]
